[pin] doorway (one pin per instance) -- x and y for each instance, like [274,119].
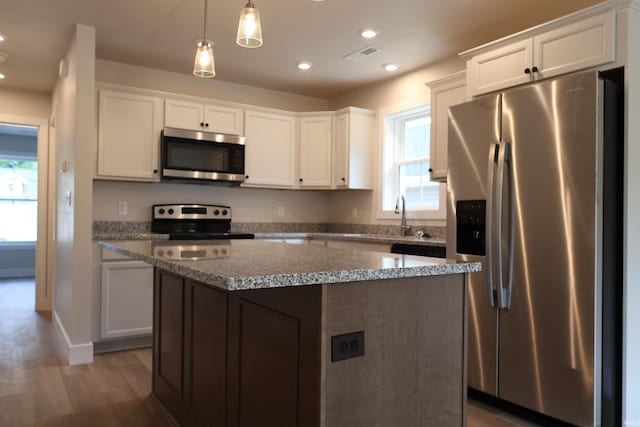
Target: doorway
[24,157]
[18,201]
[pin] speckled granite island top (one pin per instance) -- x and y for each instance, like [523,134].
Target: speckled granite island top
[255,264]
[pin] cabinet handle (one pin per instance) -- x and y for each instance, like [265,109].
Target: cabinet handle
[430,169]
[534,70]
[343,178]
[527,71]
[300,179]
[206,125]
[155,171]
[201,124]
[246,176]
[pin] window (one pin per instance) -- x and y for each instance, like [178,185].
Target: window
[406,165]
[18,200]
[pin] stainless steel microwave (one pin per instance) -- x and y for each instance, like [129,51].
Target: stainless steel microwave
[202,156]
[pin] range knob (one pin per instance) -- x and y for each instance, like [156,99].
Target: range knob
[171,211]
[216,212]
[224,212]
[161,211]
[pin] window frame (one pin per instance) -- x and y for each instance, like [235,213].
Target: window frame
[392,131]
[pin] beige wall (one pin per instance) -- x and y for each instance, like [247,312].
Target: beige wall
[249,205]
[27,103]
[186,84]
[405,91]
[74,109]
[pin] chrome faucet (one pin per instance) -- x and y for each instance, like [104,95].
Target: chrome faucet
[403,222]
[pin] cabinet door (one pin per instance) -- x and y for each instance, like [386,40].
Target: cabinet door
[270,149]
[500,68]
[223,119]
[341,157]
[183,115]
[205,354]
[127,299]
[129,127]
[315,151]
[444,94]
[580,45]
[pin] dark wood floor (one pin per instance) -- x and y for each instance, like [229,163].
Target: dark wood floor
[37,388]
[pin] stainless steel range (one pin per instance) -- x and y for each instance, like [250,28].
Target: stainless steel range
[194,222]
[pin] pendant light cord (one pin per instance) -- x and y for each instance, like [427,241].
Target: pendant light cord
[204,27]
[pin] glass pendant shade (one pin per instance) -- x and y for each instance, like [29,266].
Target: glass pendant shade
[204,65]
[249,27]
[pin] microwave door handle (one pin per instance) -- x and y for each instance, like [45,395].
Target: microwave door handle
[494,149]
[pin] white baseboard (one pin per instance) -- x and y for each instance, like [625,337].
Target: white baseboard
[76,354]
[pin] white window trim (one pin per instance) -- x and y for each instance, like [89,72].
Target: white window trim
[384,133]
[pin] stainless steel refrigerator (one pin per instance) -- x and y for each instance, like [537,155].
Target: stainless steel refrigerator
[528,171]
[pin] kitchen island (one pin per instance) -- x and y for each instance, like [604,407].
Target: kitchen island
[264,334]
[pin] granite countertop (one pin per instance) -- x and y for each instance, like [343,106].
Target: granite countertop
[368,238]
[130,236]
[254,264]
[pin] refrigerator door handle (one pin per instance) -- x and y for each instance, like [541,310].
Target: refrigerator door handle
[498,200]
[494,150]
[504,166]
[509,165]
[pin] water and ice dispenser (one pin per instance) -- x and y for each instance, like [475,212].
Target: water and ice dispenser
[470,227]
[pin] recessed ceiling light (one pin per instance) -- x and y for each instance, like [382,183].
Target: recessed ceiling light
[2,37]
[1,76]
[368,34]
[304,66]
[390,67]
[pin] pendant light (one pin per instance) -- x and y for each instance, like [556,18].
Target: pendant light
[204,64]
[249,27]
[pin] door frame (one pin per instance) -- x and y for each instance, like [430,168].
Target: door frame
[44,287]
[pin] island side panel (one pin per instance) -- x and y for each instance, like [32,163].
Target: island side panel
[413,371]
[168,342]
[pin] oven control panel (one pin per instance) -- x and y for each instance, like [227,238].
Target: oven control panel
[191,212]
[165,250]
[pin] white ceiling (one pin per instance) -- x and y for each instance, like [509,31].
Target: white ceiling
[160,34]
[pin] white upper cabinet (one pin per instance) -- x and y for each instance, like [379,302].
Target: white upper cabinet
[353,148]
[270,149]
[585,44]
[500,68]
[445,93]
[129,126]
[315,150]
[579,45]
[205,117]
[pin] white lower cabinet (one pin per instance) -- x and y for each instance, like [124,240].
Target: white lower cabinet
[126,299]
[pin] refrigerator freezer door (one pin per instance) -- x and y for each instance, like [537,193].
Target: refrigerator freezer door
[473,128]
[546,336]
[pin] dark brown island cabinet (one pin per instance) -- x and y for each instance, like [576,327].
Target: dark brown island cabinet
[275,357]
